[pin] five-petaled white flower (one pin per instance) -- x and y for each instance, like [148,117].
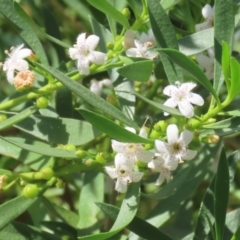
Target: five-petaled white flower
[208,14]
[96,86]
[84,53]
[182,97]
[176,149]
[123,173]
[206,62]
[148,39]
[158,165]
[16,62]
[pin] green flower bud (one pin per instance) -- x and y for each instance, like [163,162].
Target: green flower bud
[126,12]
[47,173]
[162,125]
[60,183]
[30,191]
[154,134]
[70,147]
[141,164]
[81,154]
[148,146]
[42,102]
[3,117]
[110,45]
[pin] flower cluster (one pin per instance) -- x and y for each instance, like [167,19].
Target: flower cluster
[166,158]
[141,48]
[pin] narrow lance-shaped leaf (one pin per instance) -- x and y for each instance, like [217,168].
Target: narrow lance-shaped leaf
[13,208]
[127,213]
[17,118]
[223,31]
[165,37]
[190,66]
[23,28]
[221,192]
[112,129]
[110,11]
[235,78]
[226,62]
[88,96]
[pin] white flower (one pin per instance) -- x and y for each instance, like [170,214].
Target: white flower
[84,53]
[176,149]
[182,97]
[158,165]
[141,51]
[206,62]
[129,37]
[124,175]
[96,86]
[147,39]
[208,14]
[16,62]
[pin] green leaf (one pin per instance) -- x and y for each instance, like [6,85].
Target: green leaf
[112,129]
[88,96]
[235,76]
[23,28]
[19,231]
[70,131]
[166,38]
[17,118]
[31,159]
[223,31]
[110,11]
[226,62]
[91,192]
[190,66]
[164,108]
[65,215]
[33,25]
[196,43]
[140,227]
[44,150]
[127,212]
[138,71]
[226,123]
[13,208]
[221,192]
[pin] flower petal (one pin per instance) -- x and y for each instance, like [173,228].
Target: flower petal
[83,66]
[10,76]
[73,53]
[21,65]
[186,108]
[111,172]
[92,42]
[171,162]
[136,176]
[172,133]
[121,185]
[170,90]
[195,99]
[23,53]
[186,137]
[96,87]
[187,87]
[160,147]
[132,52]
[97,57]
[119,147]
[81,39]
[171,102]
[125,161]
[144,156]
[189,154]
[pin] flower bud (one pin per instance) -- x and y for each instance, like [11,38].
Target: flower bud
[148,146]
[70,147]
[100,159]
[154,134]
[47,173]
[3,117]
[141,164]
[211,139]
[30,191]
[161,125]
[126,12]
[24,80]
[42,102]
[81,154]
[60,183]
[110,45]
